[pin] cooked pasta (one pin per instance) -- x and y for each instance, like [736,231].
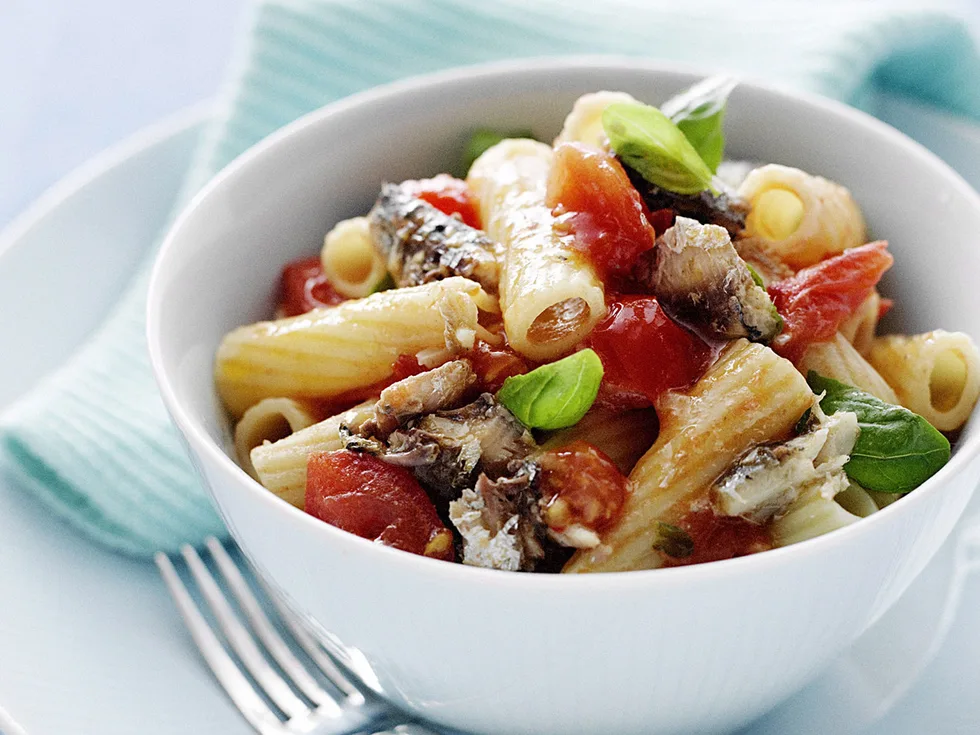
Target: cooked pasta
[749,396]
[281,465]
[550,295]
[839,360]
[936,374]
[269,420]
[800,218]
[331,351]
[810,516]
[350,260]
[594,357]
[584,122]
[857,501]
[859,328]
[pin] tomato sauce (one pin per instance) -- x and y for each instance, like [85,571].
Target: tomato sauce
[717,537]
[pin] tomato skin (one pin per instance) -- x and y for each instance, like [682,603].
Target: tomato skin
[447,194]
[304,286]
[381,502]
[581,485]
[592,196]
[815,300]
[643,350]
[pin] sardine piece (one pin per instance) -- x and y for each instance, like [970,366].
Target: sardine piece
[698,276]
[433,390]
[421,244]
[725,209]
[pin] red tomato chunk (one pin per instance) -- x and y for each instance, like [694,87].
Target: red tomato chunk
[447,194]
[644,350]
[304,287]
[581,485]
[593,197]
[815,301]
[364,496]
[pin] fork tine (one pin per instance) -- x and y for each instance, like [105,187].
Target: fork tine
[225,670]
[241,641]
[263,628]
[306,641]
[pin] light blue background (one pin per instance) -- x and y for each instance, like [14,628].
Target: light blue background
[79,75]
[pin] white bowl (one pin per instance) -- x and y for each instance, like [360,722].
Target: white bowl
[703,648]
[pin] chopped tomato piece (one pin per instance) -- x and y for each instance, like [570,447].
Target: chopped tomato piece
[493,365]
[374,500]
[815,300]
[581,486]
[447,194]
[592,196]
[716,537]
[304,287]
[612,397]
[662,220]
[645,351]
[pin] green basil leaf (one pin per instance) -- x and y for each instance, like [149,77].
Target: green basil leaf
[485,138]
[699,112]
[555,395]
[897,450]
[756,278]
[646,140]
[673,541]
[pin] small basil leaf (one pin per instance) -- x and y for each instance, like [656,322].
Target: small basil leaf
[673,541]
[555,395]
[647,141]
[384,284]
[485,138]
[896,451]
[699,112]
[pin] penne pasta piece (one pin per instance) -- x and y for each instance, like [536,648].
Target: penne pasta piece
[269,420]
[749,396]
[859,328]
[584,122]
[839,360]
[281,466]
[350,260]
[810,516]
[550,295]
[623,436]
[936,374]
[800,218]
[328,352]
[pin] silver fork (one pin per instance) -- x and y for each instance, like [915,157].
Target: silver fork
[306,707]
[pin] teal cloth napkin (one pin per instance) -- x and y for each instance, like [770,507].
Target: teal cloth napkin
[94,442]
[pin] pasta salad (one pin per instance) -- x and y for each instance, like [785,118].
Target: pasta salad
[617,351]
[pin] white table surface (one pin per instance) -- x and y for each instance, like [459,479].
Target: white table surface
[78,75]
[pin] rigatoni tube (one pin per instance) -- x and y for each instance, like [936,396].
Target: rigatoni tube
[936,374]
[281,466]
[750,395]
[327,352]
[550,295]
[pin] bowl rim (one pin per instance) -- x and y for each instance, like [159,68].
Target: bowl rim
[457,573]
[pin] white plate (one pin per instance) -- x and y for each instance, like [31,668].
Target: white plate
[89,641]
